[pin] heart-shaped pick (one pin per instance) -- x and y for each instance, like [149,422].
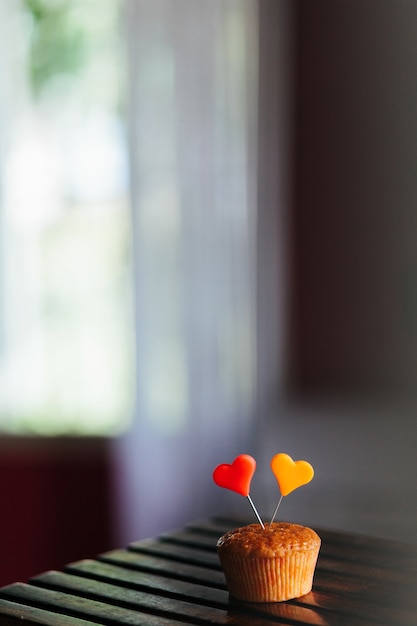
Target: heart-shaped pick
[237,476]
[290,474]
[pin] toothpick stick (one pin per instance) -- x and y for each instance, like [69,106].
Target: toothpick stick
[255,511]
[276,510]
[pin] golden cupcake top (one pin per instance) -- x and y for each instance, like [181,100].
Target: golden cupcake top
[272,541]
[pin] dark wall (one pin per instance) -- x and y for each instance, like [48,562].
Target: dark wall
[354,306]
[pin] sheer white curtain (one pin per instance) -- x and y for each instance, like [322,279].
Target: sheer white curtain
[193,136]
[193,141]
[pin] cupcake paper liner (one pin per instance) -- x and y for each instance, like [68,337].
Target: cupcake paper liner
[270,579]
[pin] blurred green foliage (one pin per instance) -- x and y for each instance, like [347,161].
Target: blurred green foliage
[58,43]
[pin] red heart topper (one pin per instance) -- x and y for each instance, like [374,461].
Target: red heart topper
[237,476]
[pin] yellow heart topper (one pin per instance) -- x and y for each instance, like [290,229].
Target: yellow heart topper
[290,475]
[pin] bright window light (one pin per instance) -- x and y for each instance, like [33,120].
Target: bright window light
[66,338]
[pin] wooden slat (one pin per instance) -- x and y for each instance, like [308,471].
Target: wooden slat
[366,555]
[361,583]
[219,525]
[68,601]
[138,600]
[185,554]
[82,607]
[145,581]
[13,613]
[171,587]
[152,563]
[343,543]
[357,608]
[350,578]
[192,539]
[195,609]
[354,604]
[356,558]
[176,579]
[354,594]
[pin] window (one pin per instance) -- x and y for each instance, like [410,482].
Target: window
[66,345]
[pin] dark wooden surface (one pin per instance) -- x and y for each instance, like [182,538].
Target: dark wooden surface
[176,579]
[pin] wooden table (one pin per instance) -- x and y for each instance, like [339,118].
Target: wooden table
[176,579]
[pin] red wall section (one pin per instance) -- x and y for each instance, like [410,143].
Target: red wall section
[55,500]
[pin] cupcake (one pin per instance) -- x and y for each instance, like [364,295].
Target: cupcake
[269,564]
